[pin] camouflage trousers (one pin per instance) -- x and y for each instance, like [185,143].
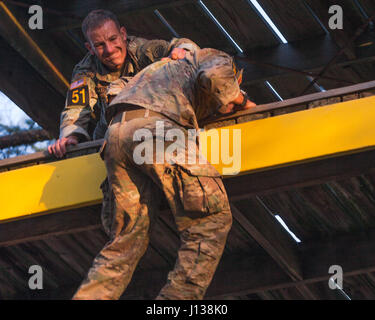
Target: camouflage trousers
[197,199]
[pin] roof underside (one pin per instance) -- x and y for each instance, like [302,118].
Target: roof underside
[334,218]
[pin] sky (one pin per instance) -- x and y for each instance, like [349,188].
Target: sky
[12,115]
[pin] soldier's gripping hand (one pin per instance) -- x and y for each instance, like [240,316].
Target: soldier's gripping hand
[242,102]
[176,54]
[59,147]
[234,107]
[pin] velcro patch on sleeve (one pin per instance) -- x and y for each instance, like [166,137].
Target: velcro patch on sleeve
[77,84]
[78,96]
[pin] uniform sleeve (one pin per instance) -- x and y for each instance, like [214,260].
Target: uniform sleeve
[217,77]
[79,108]
[150,51]
[183,43]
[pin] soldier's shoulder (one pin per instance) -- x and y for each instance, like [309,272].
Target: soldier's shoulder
[209,57]
[86,67]
[138,41]
[138,45]
[209,52]
[134,42]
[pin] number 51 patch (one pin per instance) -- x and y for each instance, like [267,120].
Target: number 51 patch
[79,96]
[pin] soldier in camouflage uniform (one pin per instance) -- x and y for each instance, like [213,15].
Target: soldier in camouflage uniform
[112,54]
[177,94]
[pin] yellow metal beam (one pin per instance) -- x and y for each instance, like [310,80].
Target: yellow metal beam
[328,131]
[51,187]
[285,140]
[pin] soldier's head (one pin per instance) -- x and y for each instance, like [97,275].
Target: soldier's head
[105,38]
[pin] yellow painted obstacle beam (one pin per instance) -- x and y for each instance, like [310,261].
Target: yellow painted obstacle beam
[284,140]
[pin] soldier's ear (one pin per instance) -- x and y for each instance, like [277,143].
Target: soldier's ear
[239,76]
[237,72]
[123,33]
[89,48]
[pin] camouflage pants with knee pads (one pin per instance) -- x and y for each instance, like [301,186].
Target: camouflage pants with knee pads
[197,199]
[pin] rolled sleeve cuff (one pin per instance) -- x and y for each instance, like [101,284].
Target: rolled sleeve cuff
[183,43]
[188,47]
[73,130]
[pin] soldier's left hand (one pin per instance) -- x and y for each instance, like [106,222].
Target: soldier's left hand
[176,54]
[231,107]
[249,104]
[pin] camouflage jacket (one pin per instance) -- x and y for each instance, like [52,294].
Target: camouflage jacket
[185,90]
[83,115]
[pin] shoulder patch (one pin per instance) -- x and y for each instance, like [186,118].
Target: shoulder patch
[78,96]
[77,84]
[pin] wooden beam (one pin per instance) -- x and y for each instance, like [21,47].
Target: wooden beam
[44,227]
[249,272]
[36,96]
[45,10]
[288,70]
[300,55]
[305,55]
[300,175]
[265,230]
[15,34]
[351,41]
[353,252]
[262,226]
[368,6]
[240,274]
[237,275]
[341,37]
[121,8]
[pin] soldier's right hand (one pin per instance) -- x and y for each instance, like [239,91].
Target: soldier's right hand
[176,54]
[59,147]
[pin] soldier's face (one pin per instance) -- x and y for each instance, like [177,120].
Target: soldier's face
[108,43]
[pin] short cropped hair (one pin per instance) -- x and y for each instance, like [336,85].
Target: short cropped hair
[97,18]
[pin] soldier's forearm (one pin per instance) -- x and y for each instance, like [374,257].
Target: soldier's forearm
[73,130]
